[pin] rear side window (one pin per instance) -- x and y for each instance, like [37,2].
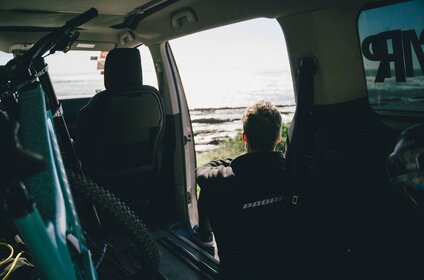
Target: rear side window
[392,41]
[77,73]
[80,73]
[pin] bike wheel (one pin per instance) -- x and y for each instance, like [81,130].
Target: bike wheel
[132,254]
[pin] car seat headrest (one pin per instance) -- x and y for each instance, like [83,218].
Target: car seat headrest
[123,69]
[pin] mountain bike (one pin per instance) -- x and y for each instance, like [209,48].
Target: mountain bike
[41,181]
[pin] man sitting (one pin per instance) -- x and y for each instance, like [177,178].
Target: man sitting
[246,202]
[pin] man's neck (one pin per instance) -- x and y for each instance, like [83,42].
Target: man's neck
[249,150]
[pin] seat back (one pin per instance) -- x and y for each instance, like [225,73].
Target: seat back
[121,127]
[128,134]
[352,215]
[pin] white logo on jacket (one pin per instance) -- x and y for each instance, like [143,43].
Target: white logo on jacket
[263,202]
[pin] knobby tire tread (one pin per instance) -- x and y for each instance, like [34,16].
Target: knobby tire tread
[90,191]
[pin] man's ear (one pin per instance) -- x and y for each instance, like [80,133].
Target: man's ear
[244,138]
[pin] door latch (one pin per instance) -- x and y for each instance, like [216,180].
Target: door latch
[188,197]
[187,138]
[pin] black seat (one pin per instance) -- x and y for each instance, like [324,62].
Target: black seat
[353,221]
[119,130]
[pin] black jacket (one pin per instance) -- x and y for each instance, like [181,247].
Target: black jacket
[248,202]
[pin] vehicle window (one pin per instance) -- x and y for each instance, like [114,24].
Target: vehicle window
[76,73]
[147,67]
[392,40]
[226,69]
[80,73]
[5,57]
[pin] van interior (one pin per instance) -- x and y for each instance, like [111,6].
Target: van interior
[357,71]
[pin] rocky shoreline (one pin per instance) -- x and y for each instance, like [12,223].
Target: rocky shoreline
[212,126]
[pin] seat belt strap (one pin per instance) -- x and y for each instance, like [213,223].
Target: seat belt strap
[301,147]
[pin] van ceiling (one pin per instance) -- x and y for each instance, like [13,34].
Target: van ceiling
[17,16]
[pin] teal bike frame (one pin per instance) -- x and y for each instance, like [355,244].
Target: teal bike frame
[52,231]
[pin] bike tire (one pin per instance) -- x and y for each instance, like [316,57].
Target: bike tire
[92,193]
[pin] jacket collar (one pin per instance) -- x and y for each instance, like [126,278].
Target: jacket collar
[258,161]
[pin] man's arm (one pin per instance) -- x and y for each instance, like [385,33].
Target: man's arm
[208,177]
[219,162]
[212,170]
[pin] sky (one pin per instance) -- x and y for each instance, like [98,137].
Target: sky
[235,65]
[226,62]
[255,44]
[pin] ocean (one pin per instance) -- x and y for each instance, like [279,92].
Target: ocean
[216,99]
[226,88]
